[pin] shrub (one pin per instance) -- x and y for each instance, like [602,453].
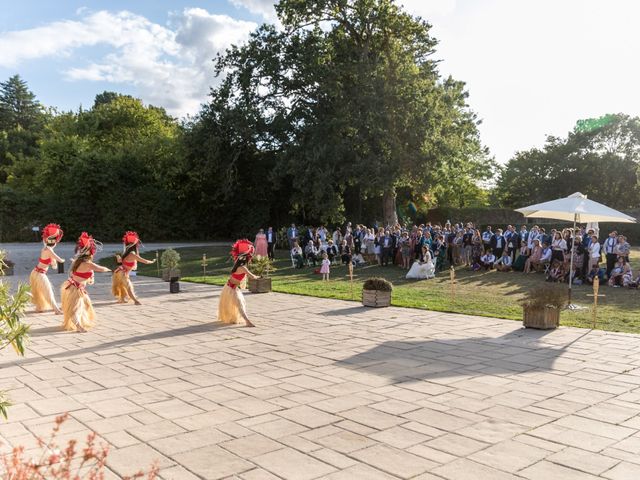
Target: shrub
[262,265]
[67,463]
[377,284]
[170,259]
[12,331]
[545,296]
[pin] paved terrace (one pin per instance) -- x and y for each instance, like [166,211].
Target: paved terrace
[327,389]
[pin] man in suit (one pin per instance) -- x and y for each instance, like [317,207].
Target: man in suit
[272,238]
[292,235]
[498,243]
[608,247]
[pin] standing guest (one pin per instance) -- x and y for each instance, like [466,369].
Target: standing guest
[405,249]
[449,239]
[272,239]
[486,237]
[121,286]
[534,258]
[296,255]
[498,243]
[310,236]
[488,260]
[477,244]
[370,247]
[387,247]
[534,234]
[325,268]
[337,237]
[232,307]
[78,311]
[467,245]
[357,239]
[458,245]
[504,263]
[558,247]
[594,252]
[262,246]
[622,248]
[523,240]
[322,234]
[292,235]
[41,291]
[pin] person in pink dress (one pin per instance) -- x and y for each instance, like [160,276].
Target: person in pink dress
[262,248]
[326,266]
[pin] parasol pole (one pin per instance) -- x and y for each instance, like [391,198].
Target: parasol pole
[570,305]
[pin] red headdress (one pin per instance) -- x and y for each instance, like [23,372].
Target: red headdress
[242,248]
[86,245]
[130,238]
[52,232]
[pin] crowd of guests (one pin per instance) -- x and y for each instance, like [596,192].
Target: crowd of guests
[425,249]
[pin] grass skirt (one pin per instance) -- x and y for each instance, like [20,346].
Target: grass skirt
[232,307]
[41,292]
[77,308]
[119,283]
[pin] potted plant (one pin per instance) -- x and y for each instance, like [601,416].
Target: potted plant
[542,305]
[376,292]
[170,261]
[261,266]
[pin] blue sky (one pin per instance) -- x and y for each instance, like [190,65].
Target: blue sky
[532,67]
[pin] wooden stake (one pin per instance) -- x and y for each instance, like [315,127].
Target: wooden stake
[594,309]
[204,265]
[158,262]
[351,278]
[452,277]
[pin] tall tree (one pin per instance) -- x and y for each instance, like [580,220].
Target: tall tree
[18,105]
[600,158]
[347,93]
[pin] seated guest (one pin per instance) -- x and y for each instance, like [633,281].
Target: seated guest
[557,272]
[332,250]
[296,255]
[358,259]
[546,254]
[487,260]
[534,258]
[504,263]
[558,247]
[595,271]
[311,252]
[620,270]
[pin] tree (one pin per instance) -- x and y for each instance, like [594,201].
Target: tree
[18,105]
[600,158]
[347,94]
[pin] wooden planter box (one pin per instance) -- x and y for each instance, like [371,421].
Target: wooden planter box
[543,318]
[167,274]
[259,285]
[376,298]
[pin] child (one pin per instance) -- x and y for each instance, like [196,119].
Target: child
[504,262]
[488,259]
[324,270]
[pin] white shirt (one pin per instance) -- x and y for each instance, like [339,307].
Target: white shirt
[610,244]
[486,237]
[506,261]
[489,258]
[594,250]
[546,255]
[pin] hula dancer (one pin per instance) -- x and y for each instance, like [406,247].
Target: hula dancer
[76,304]
[121,285]
[41,291]
[232,307]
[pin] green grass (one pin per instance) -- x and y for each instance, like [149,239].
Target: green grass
[491,294]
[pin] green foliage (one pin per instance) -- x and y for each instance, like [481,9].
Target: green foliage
[262,266]
[545,295]
[170,259]
[601,162]
[12,331]
[377,283]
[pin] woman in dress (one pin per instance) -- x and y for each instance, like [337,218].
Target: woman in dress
[121,286]
[76,304]
[232,307]
[534,258]
[41,291]
[262,247]
[422,268]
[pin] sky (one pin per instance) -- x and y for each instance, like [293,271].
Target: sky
[532,67]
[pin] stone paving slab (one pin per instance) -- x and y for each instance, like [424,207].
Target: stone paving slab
[328,389]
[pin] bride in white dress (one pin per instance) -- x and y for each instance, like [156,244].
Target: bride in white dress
[423,268]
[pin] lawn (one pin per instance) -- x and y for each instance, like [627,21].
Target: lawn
[492,294]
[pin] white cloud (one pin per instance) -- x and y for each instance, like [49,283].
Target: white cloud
[428,9]
[258,7]
[170,66]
